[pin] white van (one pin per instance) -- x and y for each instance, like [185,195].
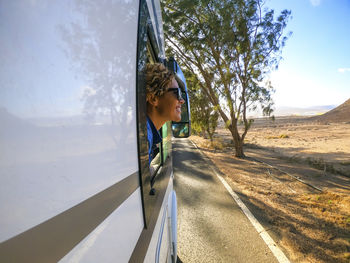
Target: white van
[75,180]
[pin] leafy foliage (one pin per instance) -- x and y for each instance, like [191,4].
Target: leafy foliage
[231,46]
[204,117]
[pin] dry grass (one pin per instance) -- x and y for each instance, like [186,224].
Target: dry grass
[216,144]
[282,136]
[313,143]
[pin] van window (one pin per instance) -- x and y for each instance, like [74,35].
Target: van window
[151,173]
[157,160]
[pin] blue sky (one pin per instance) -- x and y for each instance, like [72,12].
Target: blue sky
[315,69]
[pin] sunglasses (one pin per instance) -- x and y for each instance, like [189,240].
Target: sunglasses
[176,92]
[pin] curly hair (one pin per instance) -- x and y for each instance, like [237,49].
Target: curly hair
[158,78]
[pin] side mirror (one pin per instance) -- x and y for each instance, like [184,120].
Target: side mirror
[181,129]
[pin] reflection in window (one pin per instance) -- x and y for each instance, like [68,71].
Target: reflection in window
[180,129]
[184,107]
[156,162]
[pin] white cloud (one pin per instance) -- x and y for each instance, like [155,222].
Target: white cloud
[343,70]
[315,2]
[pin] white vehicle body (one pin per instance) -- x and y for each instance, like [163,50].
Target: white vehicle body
[74,175]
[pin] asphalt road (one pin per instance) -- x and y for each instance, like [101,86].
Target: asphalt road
[211,226]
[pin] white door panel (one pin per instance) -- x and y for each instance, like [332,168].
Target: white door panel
[160,244]
[67,105]
[114,240]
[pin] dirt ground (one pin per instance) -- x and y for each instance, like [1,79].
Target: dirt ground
[319,144]
[293,181]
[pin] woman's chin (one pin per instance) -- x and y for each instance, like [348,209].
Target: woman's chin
[177,118]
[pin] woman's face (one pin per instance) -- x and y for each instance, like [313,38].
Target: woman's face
[169,107]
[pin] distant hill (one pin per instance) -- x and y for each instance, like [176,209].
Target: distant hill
[309,111]
[295,111]
[339,114]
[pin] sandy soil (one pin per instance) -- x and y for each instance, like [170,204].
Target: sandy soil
[311,224]
[323,144]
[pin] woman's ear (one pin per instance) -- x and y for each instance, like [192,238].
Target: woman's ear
[153,100]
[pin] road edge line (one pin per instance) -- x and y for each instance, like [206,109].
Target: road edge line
[276,251]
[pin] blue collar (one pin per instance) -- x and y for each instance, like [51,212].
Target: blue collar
[156,136]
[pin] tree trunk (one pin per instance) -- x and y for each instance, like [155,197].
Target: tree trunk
[210,135]
[238,141]
[239,153]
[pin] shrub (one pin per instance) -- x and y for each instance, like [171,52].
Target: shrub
[284,136]
[217,144]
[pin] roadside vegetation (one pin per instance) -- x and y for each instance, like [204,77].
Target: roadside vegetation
[230,47]
[204,116]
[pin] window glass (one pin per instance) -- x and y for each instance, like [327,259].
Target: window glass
[157,161]
[150,53]
[166,138]
[184,109]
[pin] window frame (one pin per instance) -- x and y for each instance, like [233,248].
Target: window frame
[153,186]
[152,50]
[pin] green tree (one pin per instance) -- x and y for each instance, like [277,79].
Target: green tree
[231,46]
[204,117]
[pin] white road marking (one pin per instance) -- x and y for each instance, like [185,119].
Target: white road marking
[277,252]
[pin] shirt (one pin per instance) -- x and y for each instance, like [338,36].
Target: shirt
[153,138]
